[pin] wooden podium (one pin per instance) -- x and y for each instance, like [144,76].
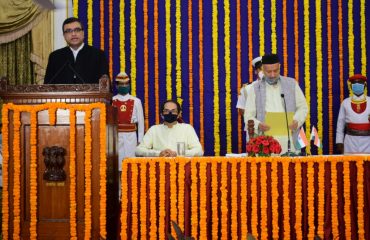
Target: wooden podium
[53,158]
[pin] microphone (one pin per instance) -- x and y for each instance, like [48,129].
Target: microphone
[75,72]
[288,153]
[56,74]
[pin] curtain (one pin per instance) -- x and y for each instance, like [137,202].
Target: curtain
[15,60]
[17,18]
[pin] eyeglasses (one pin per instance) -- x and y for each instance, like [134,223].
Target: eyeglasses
[76,30]
[173,111]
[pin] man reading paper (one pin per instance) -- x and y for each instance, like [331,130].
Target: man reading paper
[270,96]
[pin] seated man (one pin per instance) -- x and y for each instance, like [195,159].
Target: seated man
[161,140]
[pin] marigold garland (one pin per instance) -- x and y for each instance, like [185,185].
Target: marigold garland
[351,40]
[156,61]
[263,184]
[215,66]
[203,200]
[178,49]
[363,36]
[360,199]
[307,74]
[122,36]
[201,72]
[330,75]
[296,42]
[273,27]
[133,40]
[181,184]
[298,199]
[88,169]
[340,44]
[168,50]
[190,56]
[110,42]
[162,199]
[152,198]
[33,176]
[103,170]
[243,199]
[334,198]
[134,207]
[286,205]
[227,76]
[89,22]
[72,174]
[214,199]
[234,197]
[173,190]
[124,201]
[321,198]
[285,39]
[224,192]
[319,75]
[254,198]
[194,199]
[75,8]
[143,197]
[239,70]
[347,199]
[310,198]
[146,64]
[101,22]
[261,4]
[274,198]
[5,173]
[52,117]
[17,175]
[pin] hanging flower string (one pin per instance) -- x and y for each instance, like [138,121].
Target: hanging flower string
[334,198]
[224,192]
[194,199]
[143,198]
[274,198]
[298,200]
[72,174]
[134,195]
[360,199]
[347,199]
[321,199]
[286,205]
[254,198]
[5,174]
[310,198]
[181,184]
[173,190]
[214,199]
[152,197]
[234,197]
[263,185]
[33,176]
[243,198]
[162,198]
[203,200]
[124,201]
[17,175]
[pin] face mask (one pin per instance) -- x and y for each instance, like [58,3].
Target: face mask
[358,88]
[271,81]
[124,90]
[170,118]
[260,75]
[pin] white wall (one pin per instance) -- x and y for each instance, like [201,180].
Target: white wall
[64,9]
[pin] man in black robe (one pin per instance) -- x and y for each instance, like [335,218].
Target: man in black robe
[76,63]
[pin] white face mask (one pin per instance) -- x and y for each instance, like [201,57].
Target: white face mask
[260,75]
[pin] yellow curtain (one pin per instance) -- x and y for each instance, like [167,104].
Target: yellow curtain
[15,60]
[17,18]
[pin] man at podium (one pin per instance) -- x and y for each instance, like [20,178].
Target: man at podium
[76,63]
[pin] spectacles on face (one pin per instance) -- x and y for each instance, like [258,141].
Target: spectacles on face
[167,111]
[70,31]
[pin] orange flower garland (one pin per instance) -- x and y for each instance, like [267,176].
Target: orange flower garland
[274,198]
[334,198]
[360,199]
[152,198]
[263,177]
[134,195]
[88,168]
[321,198]
[173,190]
[224,191]
[72,174]
[33,176]
[254,220]
[181,184]
[234,197]
[286,205]
[162,199]
[143,198]
[17,175]
[203,200]
[194,199]
[124,202]
[310,198]
[103,170]
[5,192]
[214,199]
[347,199]
[243,199]
[52,117]
[298,199]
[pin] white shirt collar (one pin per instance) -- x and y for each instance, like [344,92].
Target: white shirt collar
[75,52]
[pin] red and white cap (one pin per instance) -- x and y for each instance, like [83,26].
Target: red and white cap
[122,77]
[357,77]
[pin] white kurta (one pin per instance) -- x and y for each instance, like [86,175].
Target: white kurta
[242,100]
[127,141]
[160,137]
[353,144]
[274,103]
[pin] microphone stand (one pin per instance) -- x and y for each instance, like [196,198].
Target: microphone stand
[288,153]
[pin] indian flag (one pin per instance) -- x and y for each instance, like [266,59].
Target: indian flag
[302,140]
[315,137]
